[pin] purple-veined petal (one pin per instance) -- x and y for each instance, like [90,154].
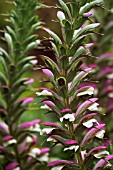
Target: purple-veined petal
[11,166]
[60,162]
[26,101]
[70,142]
[66,110]
[48,73]
[88,14]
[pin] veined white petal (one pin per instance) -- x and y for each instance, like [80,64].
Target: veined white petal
[101,154]
[46,130]
[100,134]
[44,93]
[73,147]
[110,95]
[45,107]
[57,168]
[69,117]
[89,123]
[93,107]
[89,91]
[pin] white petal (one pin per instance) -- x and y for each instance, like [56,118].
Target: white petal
[44,158]
[73,147]
[29,139]
[89,123]
[57,168]
[101,154]
[46,130]
[100,134]
[45,107]
[89,91]
[18,168]
[93,107]
[110,76]
[50,139]
[68,116]
[34,152]
[44,93]
[10,142]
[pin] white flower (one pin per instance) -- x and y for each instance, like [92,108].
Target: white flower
[46,130]
[73,147]
[35,128]
[89,91]
[93,107]
[10,142]
[44,93]
[29,139]
[68,116]
[18,168]
[45,107]
[44,158]
[110,76]
[101,154]
[34,152]
[57,168]
[110,95]
[89,123]
[100,134]
[50,139]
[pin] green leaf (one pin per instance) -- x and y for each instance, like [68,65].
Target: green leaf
[86,29]
[50,63]
[78,53]
[77,80]
[53,35]
[9,41]
[65,9]
[89,6]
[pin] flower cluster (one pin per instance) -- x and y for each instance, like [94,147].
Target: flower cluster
[78,132]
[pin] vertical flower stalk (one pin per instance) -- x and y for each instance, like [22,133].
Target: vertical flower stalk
[71,102]
[18,143]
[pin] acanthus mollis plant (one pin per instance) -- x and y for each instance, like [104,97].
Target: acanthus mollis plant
[19,148]
[77,131]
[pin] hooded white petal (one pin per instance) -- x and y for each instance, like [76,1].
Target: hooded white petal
[69,117]
[93,107]
[89,123]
